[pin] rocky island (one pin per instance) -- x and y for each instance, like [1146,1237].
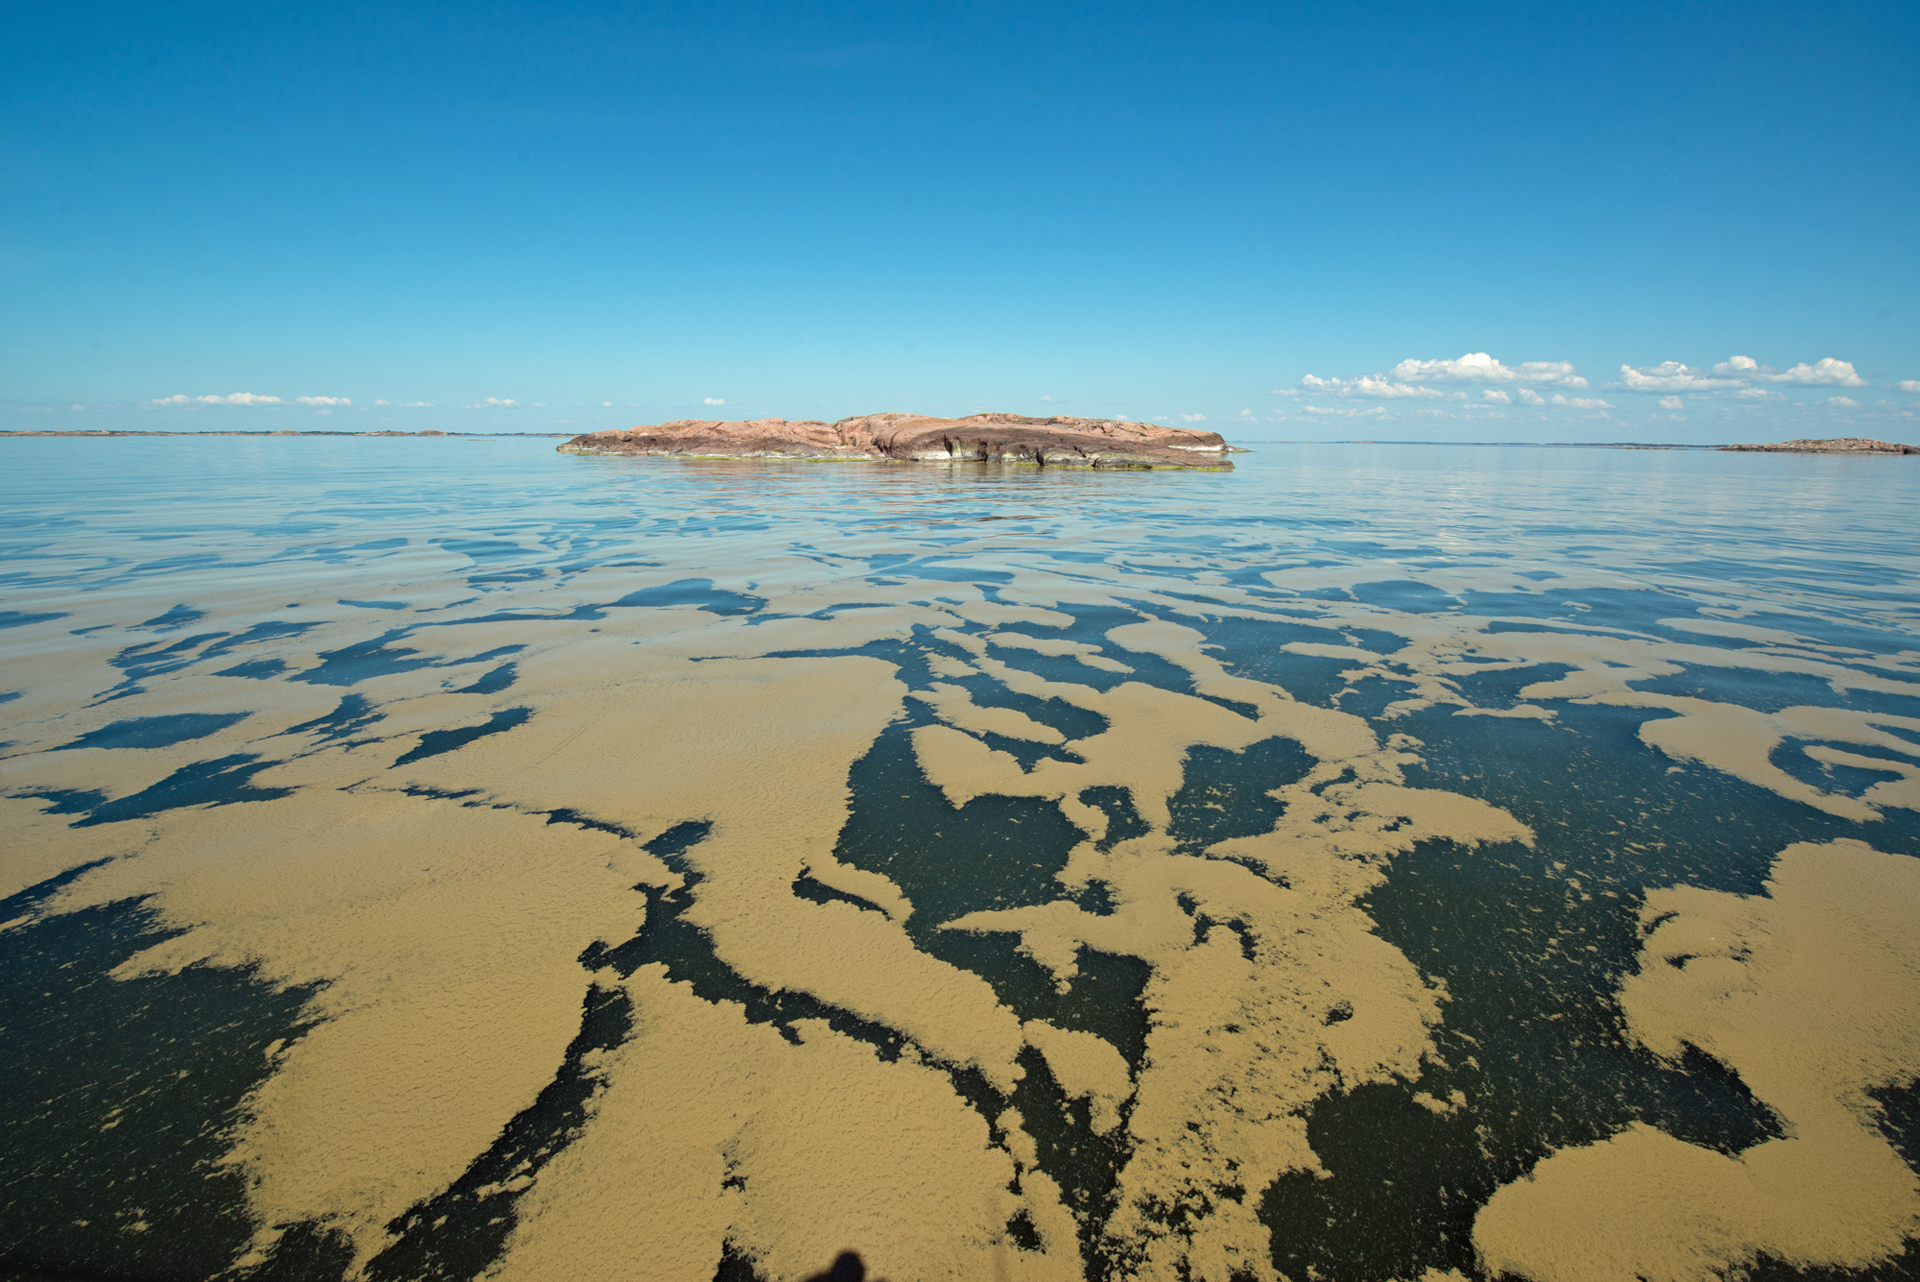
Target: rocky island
[1833,445]
[1011,438]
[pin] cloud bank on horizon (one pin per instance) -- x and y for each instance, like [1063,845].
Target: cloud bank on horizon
[1738,380]
[1404,381]
[1738,371]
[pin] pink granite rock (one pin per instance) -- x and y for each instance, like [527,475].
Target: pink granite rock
[1052,442]
[1833,445]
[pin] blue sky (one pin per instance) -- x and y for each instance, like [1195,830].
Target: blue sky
[1289,222]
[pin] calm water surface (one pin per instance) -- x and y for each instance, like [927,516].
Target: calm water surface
[1577,678]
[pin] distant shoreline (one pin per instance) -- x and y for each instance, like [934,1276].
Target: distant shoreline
[117,432]
[1875,449]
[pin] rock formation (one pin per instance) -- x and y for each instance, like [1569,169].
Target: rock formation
[1071,442]
[1835,445]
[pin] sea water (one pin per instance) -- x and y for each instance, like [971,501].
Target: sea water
[445,858]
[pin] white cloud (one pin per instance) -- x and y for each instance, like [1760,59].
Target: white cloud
[1193,418]
[606,405]
[1671,403]
[1670,376]
[322,413]
[1825,372]
[323,400]
[1345,413]
[236,398]
[416,405]
[76,407]
[1582,402]
[1478,367]
[715,400]
[1246,414]
[493,402]
[1047,399]
[1909,385]
[1757,394]
[1738,371]
[1498,397]
[176,399]
[1822,372]
[383,402]
[1403,381]
[1844,402]
[1530,397]
[1371,386]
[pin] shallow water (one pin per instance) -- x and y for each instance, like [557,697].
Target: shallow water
[448,858]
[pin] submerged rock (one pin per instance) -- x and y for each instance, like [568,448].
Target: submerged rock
[1834,445]
[1061,441]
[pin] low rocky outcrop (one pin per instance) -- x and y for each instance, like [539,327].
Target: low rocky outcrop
[1011,438]
[1835,445]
